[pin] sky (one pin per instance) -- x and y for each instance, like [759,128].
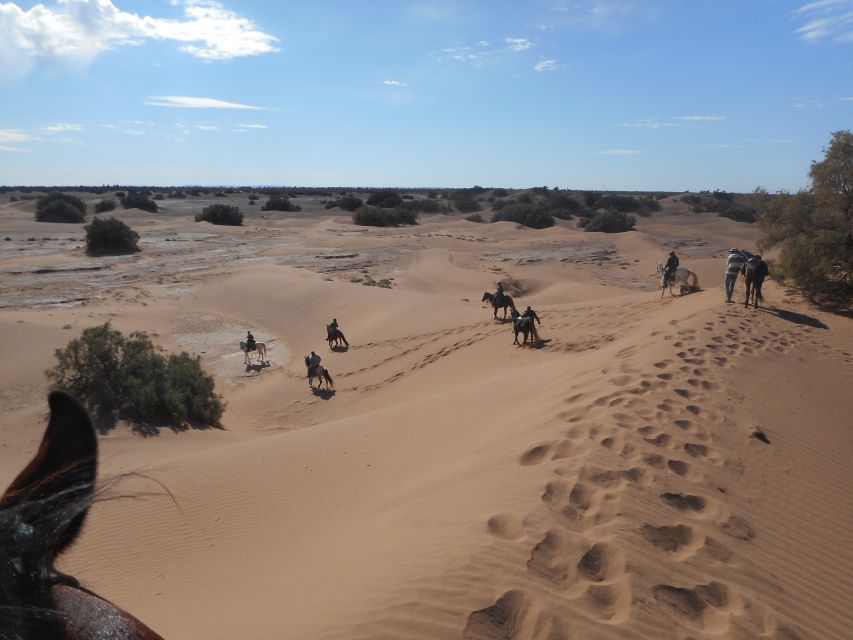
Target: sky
[580,94]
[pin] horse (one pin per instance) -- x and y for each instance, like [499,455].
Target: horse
[335,336]
[505,302]
[680,276]
[754,272]
[320,372]
[41,514]
[260,347]
[524,325]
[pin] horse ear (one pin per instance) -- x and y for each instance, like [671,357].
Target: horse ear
[55,489]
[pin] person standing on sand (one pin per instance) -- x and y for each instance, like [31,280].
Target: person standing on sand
[530,313]
[734,263]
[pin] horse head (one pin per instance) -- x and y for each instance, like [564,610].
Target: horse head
[486,296]
[41,514]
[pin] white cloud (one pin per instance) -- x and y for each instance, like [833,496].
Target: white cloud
[464,54]
[701,118]
[617,152]
[13,136]
[393,83]
[206,127]
[189,102]
[60,127]
[826,19]
[251,126]
[79,30]
[597,14]
[545,65]
[518,44]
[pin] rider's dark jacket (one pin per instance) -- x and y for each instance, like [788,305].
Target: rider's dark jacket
[530,313]
[672,263]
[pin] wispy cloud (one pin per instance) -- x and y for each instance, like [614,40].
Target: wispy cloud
[701,118]
[393,83]
[189,102]
[518,44]
[595,14]
[825,20]
[545,65]
[474,56]
[206,127]
[722,145]
[617,152]
[251,125]
[13,136]
[80,30]
[671,122]
[61,127]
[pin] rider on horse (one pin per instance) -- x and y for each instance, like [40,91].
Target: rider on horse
[250,341]
[332,329]
[499,294]
[313,363]
[671,266]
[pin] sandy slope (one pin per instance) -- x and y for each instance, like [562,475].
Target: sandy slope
[606,485]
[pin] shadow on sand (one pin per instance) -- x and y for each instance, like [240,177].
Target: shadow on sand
[796,318]
[257,367]
[323,394]
[340,349]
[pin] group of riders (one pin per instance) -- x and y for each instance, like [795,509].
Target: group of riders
[737,262]
[529,315]
[313,359]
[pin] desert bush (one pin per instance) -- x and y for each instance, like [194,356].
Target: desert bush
[349,202]
[608,222]
[159,196]
[474,217]
[535,216]
[407,196]
[384,198]
[120,194]
[371,216]
[225,214]
[500,193]
[280,203]
[525,198]
[13,198]
[107,204]
[220,194]
[137,200]
[110,236]
[123,377]
[177,195]
[464,201]
[60,207]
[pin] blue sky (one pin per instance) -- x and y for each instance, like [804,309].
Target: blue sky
[614,94]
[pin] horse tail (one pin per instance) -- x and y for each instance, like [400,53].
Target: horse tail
[343,337]
[695,279]
[328,377]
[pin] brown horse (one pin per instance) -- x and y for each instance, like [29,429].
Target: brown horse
[754,272]
[505,302]
[41,514]
[335,337]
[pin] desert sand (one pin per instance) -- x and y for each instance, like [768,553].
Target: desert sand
[606,484]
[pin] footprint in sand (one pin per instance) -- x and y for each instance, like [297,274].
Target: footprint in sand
[705,607]
[504,525]
[535,455]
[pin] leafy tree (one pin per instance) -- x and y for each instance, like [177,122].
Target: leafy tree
[224,214]
[110,236]
[350,202]
[464,201]
[474,217]
[814,228]
[60,207]
[385,198]
[123,377]
[370,216]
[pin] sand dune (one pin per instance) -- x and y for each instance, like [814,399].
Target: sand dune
[609,484]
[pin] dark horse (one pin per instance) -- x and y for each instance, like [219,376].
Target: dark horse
[41,514]
[505,302]
[320,372]
[754,272]
[335,336]
[524,325]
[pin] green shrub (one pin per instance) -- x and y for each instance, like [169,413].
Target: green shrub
[474,217]
[384,198]
[118,377]
[177,195]
[110,236]
[225,214]
[60,207]
[608,222]
[107,204]
[135,200]
[370,216]
[464,201]
[349,202]
[280,203]
[535,216]
[500,193]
